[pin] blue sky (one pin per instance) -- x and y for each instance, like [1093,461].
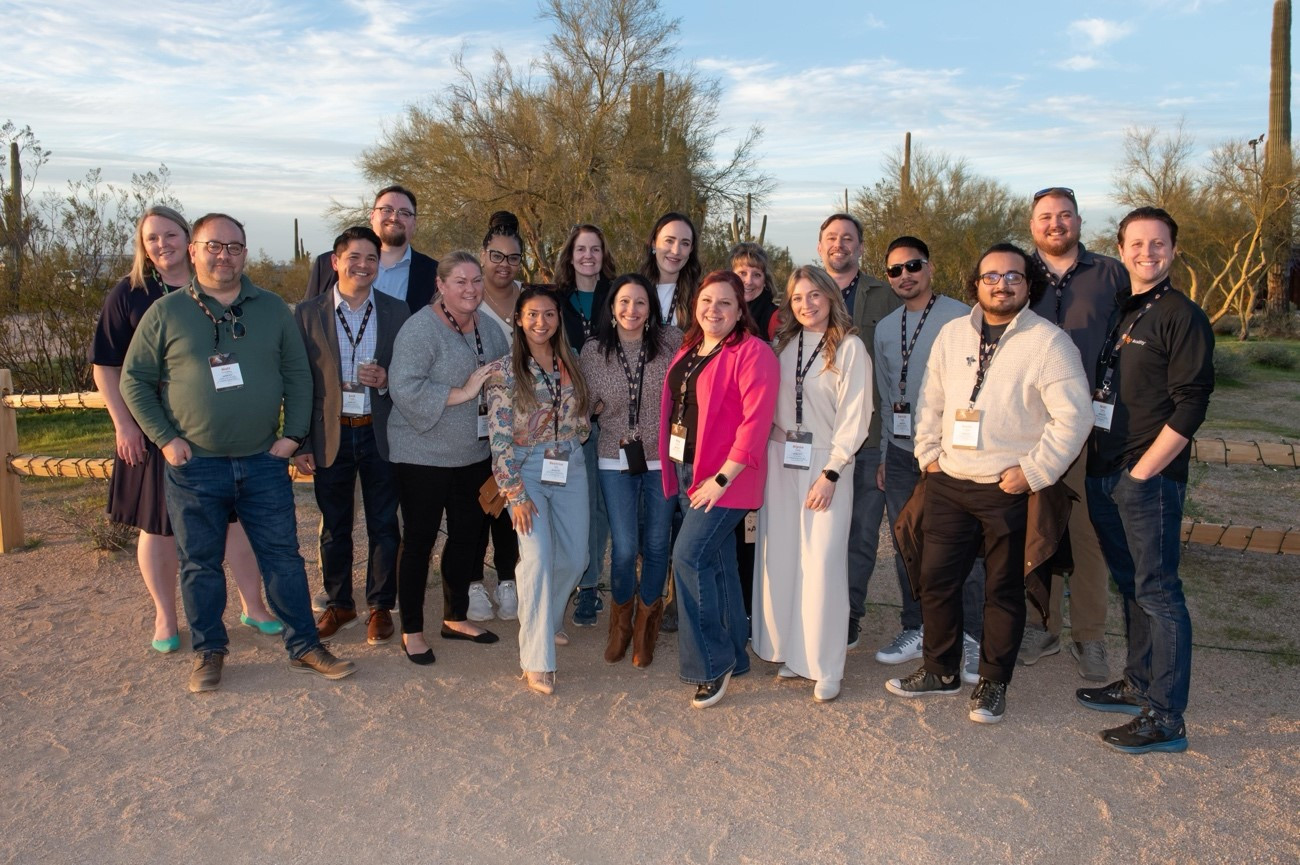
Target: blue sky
[261,108]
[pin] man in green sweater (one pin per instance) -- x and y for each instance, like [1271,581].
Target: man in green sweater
[206,376]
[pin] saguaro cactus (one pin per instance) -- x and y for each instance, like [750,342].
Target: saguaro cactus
[1279,170]
[13,218]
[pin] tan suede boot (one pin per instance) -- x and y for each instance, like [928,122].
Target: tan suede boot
[620,632]
[645,632]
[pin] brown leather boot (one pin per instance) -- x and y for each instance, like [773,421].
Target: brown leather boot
[645,632]
[620,631]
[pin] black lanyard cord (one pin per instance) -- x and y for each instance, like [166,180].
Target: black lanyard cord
[800,371]
[909,345]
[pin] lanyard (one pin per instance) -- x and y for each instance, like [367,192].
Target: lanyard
[847,290]
[987,349]
[1115,342]
[478,340]
[1059,285]
[555,391]
[634,383]
[361,331]
[909,345]
[667,315]
[586,322]
[232,314]
[694,362]
[800,370]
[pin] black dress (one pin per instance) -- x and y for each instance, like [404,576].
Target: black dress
[136,494]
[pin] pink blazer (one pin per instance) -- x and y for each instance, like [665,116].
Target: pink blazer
[737,393]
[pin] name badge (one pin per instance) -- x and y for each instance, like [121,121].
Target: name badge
[225,371]
[677,443]
[798,450]
[966,429]
[1103,409]
[482,422]
[751,527]
[354,399]
[631,457]
[555,466]
[902,420]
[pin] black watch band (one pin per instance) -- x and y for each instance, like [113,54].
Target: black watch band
[295,439]
[720,479]
[832,476]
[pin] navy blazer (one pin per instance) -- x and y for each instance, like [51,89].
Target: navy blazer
[420,289]
[316,319]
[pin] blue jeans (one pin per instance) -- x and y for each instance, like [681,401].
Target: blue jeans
[1139,525]
[551,556]
[335,493]
[864,528]
[901,475]
[627,497]
[713,628]
[200,496]
[598,533]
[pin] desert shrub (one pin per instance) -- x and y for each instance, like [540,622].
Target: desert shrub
[1271,355]
[1229,366]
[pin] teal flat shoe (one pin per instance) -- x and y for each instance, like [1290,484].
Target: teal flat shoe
[169,645]
[275,626]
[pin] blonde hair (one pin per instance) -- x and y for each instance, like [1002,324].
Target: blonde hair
[838,326]
[141,265]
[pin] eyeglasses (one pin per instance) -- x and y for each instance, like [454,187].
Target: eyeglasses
[387,211]
[236,327]
[913,266]
[498,257]
[215,247]
[1064,191]
[1011,277]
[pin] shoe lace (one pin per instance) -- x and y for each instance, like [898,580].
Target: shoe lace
[988,692]
[903,640]
[1094,651]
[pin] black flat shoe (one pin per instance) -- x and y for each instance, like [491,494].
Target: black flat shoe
[424,659]
[453,634]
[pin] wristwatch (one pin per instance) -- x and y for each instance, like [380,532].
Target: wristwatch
[720,479]
[832,476]
[295,439]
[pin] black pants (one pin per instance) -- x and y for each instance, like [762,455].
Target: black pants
[956,516]
[426,493]
[505,547]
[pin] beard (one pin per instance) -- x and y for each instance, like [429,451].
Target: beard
[393,235]
[1059,244]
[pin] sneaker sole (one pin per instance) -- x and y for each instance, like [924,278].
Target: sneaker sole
[331,676]
[380,642]
[704,704]
[343,627]
[1174,746]
[1086,675]
[984,718]
[970,678]
[893,660]
[900,692]
[1029,662]
[1120,708]
[479,617]
[507,617]
[204,688]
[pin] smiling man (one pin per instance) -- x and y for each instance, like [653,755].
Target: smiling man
[1080,298]
[1003,411]
[206,377]
[1154,379]
[349,336]
[839,245]
[404,273]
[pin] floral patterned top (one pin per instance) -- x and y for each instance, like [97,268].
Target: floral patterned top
[512,436]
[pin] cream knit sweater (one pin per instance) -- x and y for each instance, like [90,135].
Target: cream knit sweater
[1036,405]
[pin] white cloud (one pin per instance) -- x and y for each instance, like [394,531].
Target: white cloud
[1079,63]
[1099,31]
[874,23]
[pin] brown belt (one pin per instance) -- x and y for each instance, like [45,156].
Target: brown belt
[362,420]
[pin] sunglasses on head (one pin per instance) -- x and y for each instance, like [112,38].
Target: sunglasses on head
[1064,191]
[913,266]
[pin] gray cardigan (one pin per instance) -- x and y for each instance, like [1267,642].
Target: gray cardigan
[429,359]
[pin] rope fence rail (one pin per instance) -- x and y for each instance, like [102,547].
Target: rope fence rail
[1219,451]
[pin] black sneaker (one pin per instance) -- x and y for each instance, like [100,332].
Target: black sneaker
[853,633]
[1118,696]
[707,695]
[923,683]
[206,674]
[988,703]
[668,625]
[1144,733]
[584,608]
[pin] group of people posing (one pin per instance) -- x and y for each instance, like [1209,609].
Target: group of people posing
[691,419]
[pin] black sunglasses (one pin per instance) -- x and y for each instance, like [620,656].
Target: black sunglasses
[913,266]
[1056,190]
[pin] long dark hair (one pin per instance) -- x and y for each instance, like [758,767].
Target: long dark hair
[654,328]
[524,399]
[746,325]
[566,279]
[688,279]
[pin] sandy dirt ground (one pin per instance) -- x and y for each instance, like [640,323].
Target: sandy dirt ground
[108,759]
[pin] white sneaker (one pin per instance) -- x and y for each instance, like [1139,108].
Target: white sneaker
[480,608]
[970,659]
[507,600]
[786,673]
[905,647]
[826,690]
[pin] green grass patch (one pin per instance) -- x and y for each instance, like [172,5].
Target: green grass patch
[66,433]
